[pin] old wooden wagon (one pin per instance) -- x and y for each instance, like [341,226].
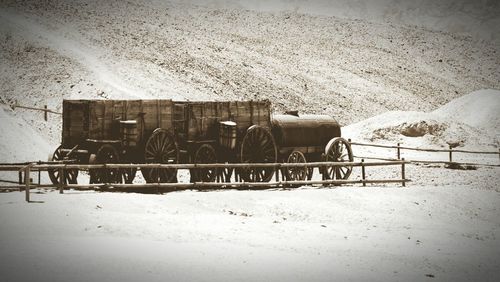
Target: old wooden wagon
[168,132]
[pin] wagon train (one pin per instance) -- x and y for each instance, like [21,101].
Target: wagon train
[170,132]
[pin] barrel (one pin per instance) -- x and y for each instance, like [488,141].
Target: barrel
[307,132]
[128,130]
[227,134]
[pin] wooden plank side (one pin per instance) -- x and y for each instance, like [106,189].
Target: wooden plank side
[111,123]
[132,110]
[166,114]
[96,114]
[195,111]
[210,126]
[75,122]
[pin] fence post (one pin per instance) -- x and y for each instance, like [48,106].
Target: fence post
[403,172]
[39,177]
[27,182]
[45,112]
[158,179]
[62,177]
[277,176]
[451,149]
[399,152]
[20,179]
[363,174]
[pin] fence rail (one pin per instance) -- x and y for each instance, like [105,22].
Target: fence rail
[450,152]
[27,169]
[45,109]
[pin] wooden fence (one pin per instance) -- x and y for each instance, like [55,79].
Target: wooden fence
[450,152]
[27,169]
[45,109]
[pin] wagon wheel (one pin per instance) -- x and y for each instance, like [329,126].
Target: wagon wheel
[296,173]
[128,174]
[205,155]
[161,148]
[338,150]
[106,154]
[70,175]
[258,146]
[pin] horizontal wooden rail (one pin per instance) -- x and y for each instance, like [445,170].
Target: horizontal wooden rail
[424,149]
[194,166]
[161,187]
[44,109]
[429,162]
[202,185]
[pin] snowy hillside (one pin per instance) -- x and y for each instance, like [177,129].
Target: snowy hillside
[479,19]
[351,69]
[471,121]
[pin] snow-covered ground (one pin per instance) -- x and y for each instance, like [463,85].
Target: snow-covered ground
[393,71]
[356,234]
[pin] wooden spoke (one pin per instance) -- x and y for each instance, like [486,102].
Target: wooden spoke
[204,155]
[296,173]
[107,154]
[338,150]
[160,148]
[258,146]
[70,175]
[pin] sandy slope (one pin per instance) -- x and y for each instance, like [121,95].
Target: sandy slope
[478,19]
[18,141]
[471,121]
[351,69]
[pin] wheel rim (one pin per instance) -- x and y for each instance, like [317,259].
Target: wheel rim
[106,154]
[338,150]
[258,146]
[205,155]
[160,148]
[296,173]
[70,175]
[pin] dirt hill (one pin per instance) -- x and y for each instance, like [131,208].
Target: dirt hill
[349,68]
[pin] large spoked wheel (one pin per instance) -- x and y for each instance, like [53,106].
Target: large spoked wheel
[298,173]
[106,154]
[338,150]
[204,155]
[70,175]
[258,146]
[161,148]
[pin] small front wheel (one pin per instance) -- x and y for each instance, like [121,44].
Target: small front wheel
[70,175]
[338,150]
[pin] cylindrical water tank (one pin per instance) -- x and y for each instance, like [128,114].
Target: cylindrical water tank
[304,130]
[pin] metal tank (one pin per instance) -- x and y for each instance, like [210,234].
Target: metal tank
[308,134]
